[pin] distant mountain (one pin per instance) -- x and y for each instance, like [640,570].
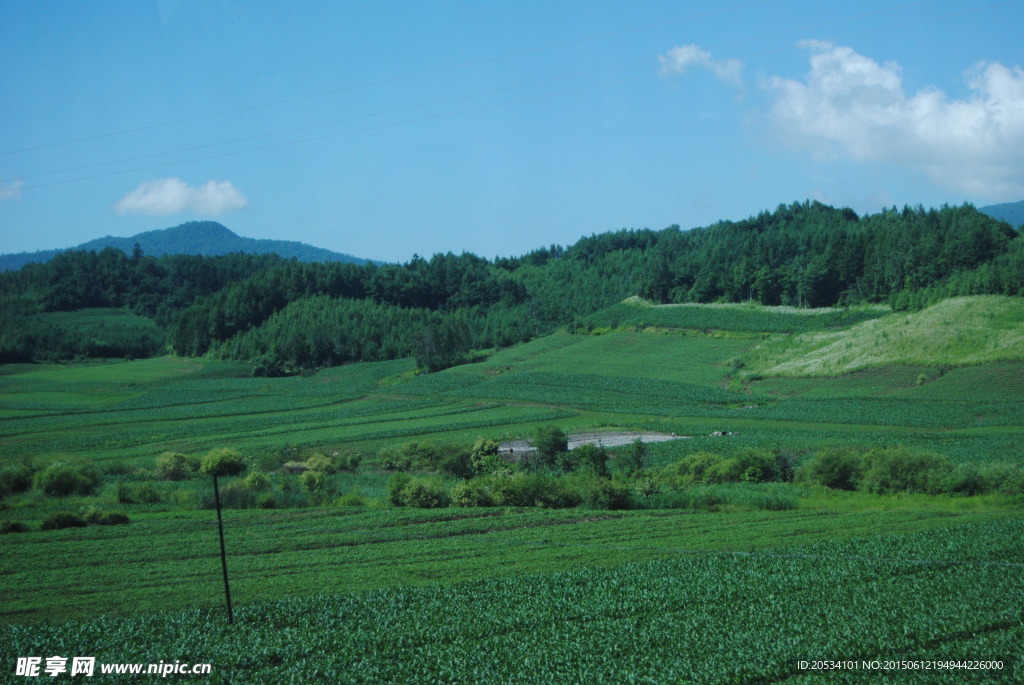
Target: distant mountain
[194,237]
[1010,212]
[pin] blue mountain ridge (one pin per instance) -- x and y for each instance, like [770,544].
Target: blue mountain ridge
[207,238]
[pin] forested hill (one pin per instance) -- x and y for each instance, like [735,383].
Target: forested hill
[284,315]
[207,238]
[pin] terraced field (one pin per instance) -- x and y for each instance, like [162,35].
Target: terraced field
[601,596]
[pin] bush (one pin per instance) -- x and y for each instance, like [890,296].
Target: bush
[550,441]
[105,518]
[838,468]
[320,463]
[696,469]
[531,490]
[138,493]
[600,493]
[424,494]
[746,466]
[15,478]
[396,486]
[257,481]
[61,479]
[117,468]
[233,495]
[410,455]
[62,520]
[223,462]
[482,455]
[749,466]
[350,499]
[175,466]
[471,493]
[903,469]
[458,463]
[1003,478]
[731,496]
[318,484]
[631,460]
[12,527]
[347,462]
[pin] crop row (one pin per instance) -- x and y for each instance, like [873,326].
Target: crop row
[714,617]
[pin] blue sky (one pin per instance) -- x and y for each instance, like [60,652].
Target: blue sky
[387,129]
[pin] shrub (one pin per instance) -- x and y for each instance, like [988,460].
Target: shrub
[532,490]
[320,463]
[175,466]
[472,493]
[105,518]
[61,479]
[15,478]
[903,469]
[257,481]
[961,480]
[12,527]
[396,486]
[410,455]
[138,493]
[318,484]
[117,468]
[550,441]
[233,495]
[350,499]
[484,456]
[749,466]
[223,462]
[186,499]
[347,462]
[631,460]
[696,468]
[425,494]
[731,496]
[838,468]
[62,520]
[1004,478]
[600,493]
[458,463]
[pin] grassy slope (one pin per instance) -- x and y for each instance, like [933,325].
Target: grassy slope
[959,331]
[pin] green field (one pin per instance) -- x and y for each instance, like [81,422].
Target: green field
[767,573]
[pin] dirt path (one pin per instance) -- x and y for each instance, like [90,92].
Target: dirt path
[612,439]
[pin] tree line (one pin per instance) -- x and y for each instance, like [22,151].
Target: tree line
[285,315]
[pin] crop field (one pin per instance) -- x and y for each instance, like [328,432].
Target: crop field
[711,616]
[730,583]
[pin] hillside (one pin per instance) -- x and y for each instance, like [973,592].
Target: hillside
[955,332]
[207,238]
[1010,212]
[284,316]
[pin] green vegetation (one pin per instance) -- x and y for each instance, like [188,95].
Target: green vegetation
[284,316]
[666,616]
[964,330]
[856,471]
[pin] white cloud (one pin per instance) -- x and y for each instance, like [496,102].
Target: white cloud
[11,190]
[172,195]
[680,58]
[849,106]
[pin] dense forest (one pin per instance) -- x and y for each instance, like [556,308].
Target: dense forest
[284,316]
